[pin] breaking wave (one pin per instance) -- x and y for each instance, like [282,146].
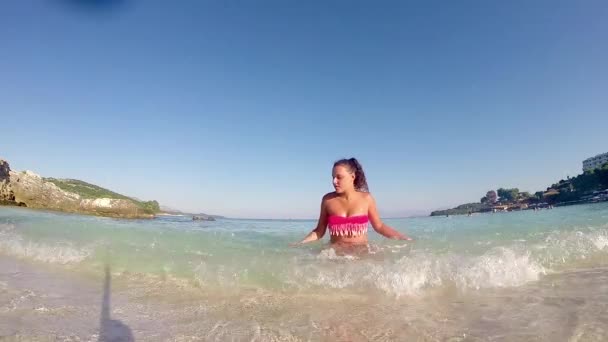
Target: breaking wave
[58,253]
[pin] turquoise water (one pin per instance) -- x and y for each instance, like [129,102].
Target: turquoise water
[485,250]
[519,276]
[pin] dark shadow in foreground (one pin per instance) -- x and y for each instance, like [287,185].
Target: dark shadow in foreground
[111,330]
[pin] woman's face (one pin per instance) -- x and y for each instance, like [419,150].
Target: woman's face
[343,178]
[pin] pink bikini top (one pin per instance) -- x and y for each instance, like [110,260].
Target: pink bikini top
[347,226]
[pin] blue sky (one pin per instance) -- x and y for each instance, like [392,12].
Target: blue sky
[240,108]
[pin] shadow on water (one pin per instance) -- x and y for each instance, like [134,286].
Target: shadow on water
[111,330]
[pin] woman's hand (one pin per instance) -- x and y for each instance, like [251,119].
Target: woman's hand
[404,237]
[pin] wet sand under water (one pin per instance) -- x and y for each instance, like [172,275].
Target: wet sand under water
[38,303]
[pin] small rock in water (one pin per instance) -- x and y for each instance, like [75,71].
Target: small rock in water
[202,218]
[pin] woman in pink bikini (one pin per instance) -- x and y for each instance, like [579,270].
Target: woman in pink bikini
[347,210]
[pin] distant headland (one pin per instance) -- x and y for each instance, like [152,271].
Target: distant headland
[28,189]
[588,187]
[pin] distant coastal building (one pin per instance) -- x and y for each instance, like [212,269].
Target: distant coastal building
[595,162]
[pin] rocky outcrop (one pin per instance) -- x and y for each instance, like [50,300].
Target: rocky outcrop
[202,218]
[6,192]
[29,189]
[113,207]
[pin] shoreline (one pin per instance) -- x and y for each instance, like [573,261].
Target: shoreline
[443,212]
[83,213]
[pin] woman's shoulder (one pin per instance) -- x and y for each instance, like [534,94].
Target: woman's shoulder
[329,195]
[363,195]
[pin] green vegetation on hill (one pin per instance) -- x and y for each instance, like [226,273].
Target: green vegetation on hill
[577,188]
[84,189]
[90,191]
[460,210]
[148,206]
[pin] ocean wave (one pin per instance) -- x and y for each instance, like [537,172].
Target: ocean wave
[411,274]
[561,248]
[501,266]
[406,269]
[59,253]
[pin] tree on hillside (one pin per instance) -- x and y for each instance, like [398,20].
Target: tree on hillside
[603,176]
[524,196]
[508,195]
[551,196]
[491,196]
[592,180]
[150,206]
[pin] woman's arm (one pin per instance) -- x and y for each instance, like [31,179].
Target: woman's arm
[319,231]
[379,226]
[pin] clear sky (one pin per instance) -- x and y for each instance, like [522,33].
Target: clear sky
[239,108]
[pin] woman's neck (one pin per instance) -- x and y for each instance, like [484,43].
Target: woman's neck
[347,195]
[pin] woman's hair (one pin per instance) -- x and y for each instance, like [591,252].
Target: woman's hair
[353,166]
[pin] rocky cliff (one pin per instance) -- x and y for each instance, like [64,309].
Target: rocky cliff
[29,189]
[6,192]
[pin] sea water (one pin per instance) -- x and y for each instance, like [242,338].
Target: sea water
[528,275]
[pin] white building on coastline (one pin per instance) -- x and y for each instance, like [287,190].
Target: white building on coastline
[595,162]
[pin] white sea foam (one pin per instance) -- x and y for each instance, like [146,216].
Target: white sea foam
[410,275]
[500,267]
[330,254]
[560,248]
[416,270]
[504,266]
[57,253]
